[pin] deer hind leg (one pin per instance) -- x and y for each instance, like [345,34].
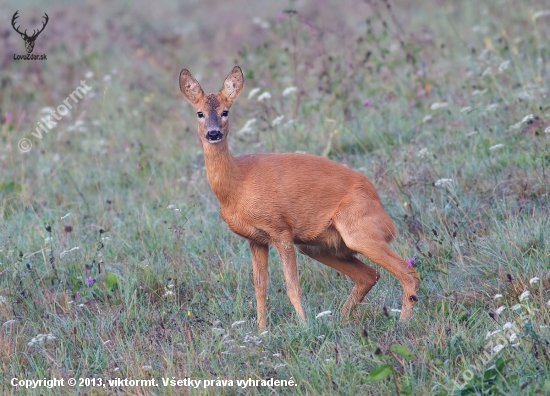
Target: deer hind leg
[259,270]
[286,252]
[364,234]
[363,276]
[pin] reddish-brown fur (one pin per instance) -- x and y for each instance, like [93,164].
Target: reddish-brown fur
[327,210]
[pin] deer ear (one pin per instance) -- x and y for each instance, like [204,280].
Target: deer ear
[189,87]
[233,84]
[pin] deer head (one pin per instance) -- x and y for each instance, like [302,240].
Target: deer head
[29,40]
[212,109]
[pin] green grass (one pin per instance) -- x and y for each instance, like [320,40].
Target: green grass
[117,191]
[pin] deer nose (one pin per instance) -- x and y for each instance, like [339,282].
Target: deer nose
[214,136]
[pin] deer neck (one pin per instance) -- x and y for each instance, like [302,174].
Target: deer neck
[224,175]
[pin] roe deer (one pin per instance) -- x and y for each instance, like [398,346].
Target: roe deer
[327,210]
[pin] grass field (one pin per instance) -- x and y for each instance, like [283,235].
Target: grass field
[114,262]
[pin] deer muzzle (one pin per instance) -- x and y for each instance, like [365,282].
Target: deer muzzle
[214,136]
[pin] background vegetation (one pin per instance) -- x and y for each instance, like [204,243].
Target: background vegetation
[110,238]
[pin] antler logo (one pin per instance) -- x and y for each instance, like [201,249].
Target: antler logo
[29,40]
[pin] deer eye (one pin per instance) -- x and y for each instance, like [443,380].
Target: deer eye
[200,115]
[225,113]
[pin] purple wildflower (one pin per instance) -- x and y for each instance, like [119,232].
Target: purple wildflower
[89,280]
[367,103]
[8,117]
[411,262]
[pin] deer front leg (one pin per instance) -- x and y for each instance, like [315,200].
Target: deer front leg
[290,271]
[259,269]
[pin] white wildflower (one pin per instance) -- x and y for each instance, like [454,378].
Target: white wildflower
[277,120]
[146,367]
[496,146]
[547,130]
[276,355]
[246,129]
[426,119]
[65,252]
[289,90]
[250,338]
[438,105]
[41,339]
[253,92]
[525,295]
[534,280]
[498,348]
[265,95]
[238,322]
[499,310]
[492,333]
[422,153]
[527,118]
[492,106]
[64,217]
[540,14]
[260,22]
[321,337]
[395,310]
[503,66]
[106,342]
[507,325]
[168,293]
[444,182]
[465,109]
[497,296]
[324,313]
[9,323]
[513,337]
[89,74]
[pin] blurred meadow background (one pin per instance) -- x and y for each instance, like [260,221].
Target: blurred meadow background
[114,261]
